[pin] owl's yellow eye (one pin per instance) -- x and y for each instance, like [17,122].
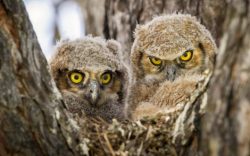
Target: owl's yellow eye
[106,78]
[186,56]
[76,77]
[155,61]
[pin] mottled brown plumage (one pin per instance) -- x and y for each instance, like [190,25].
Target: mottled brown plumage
[91,77]
[172,59]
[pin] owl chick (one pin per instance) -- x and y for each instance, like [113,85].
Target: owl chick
[172,59]
[92,79]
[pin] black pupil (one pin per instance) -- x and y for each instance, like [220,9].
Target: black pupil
[76,77]
[105,77]
[185,54]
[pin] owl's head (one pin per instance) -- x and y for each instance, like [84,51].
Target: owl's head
[170,47]
[90,70]
[172,61]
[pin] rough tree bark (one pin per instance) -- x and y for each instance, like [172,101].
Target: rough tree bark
[32,117]
[224,130]
[93,11]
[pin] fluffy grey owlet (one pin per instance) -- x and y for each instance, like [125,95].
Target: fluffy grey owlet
[91,77]
[172,59]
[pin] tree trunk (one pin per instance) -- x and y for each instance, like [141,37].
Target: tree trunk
[224,130]
[93,11]
[32,117]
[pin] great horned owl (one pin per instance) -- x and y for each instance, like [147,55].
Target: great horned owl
[91,77]
[172,59]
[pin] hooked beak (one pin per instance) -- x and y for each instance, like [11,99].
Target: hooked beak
[171,73]
[93,92]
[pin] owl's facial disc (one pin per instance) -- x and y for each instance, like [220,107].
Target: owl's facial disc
[156,69]
[96,88]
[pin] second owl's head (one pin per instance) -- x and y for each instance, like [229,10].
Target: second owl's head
[171,46]
[90,69]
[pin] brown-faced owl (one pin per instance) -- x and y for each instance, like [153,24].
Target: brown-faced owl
[172,59]
[91,77]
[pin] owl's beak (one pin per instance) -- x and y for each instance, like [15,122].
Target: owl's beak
[171,73]
[93,92]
